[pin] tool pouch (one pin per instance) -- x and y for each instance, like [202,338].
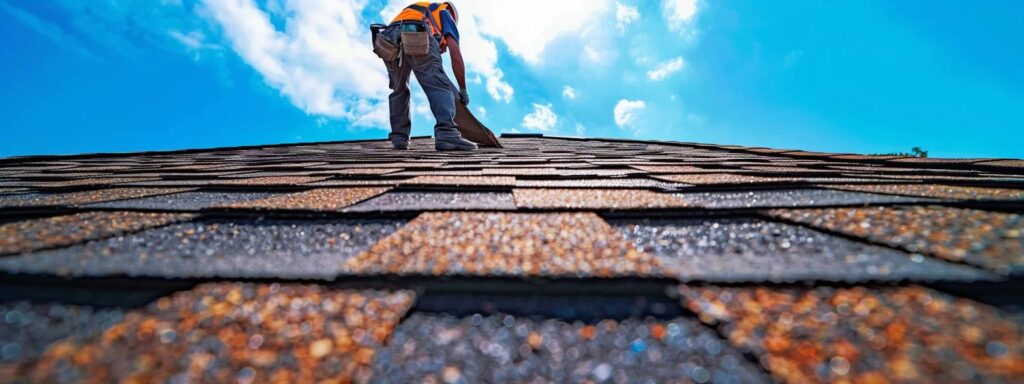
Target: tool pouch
[385,48]
[416,43]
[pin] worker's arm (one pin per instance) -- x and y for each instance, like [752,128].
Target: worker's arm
[458,65]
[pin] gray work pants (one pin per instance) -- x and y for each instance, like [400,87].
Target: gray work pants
[439,89]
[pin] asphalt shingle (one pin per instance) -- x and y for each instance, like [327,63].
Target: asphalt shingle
[747,250]
[92,182]
[322,199]
[436,201]
[598,183]
[504,244]
[29,235]
[185,201]
[790,198]
[988,239]
[27,329]
[503,348]
[937,191]
[272,181]
[270,249]
[83,197]
[906,334]
[552,198]
[457,181]
[235,332]
[721,179]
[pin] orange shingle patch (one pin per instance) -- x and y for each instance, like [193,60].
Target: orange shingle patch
[721,178]
[503,244]
[672,169]
[860,334]
[594,199]
[365,171]
[273,180]
[462,180]
[322,199]
[228,332]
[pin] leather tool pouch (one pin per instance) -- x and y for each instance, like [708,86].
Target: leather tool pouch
[385,48]
[416,43]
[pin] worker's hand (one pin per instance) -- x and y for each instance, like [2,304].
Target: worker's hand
[464,96]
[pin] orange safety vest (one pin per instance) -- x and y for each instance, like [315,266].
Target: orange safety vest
[409,14]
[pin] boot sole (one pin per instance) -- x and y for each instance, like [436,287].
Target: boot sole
[453,147]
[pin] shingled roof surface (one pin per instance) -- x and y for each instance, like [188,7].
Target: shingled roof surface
[551,260]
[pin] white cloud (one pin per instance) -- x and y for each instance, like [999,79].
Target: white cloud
[625,15]
[666,69]
[506,22]
[541,119]
[192,40]
[568,92]
[679,13]
[321,60]
[499,89]
[580,130]
[626,112]
[481,112]
[481,56]
[602,56]
[195,42]
[420,105]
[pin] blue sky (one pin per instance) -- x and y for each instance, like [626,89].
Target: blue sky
[844,76]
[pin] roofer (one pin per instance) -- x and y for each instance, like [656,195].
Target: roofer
[414,43]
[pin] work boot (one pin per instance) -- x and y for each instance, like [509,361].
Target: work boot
[400,143]
[453,144]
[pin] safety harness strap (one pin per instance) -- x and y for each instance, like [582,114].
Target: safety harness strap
[427,14]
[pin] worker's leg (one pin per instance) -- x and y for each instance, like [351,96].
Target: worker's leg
[441,95]
[440,91]
[398,101]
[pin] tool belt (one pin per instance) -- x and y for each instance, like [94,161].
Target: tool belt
[414,38]
[383,46]
[416,43]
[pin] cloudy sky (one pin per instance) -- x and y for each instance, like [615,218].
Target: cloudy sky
[846,76]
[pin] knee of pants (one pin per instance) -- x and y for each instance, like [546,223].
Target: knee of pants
[400,95]
[441,98]
[396,86]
